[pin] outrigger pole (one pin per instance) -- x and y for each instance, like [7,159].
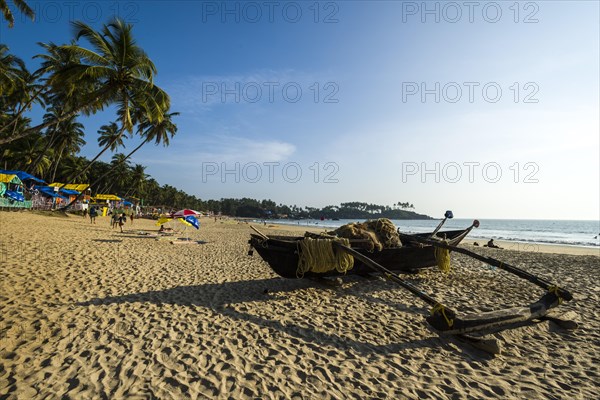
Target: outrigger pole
[444,319]
[562,294]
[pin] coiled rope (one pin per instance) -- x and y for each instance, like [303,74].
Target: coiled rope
[318,255]
[442,257]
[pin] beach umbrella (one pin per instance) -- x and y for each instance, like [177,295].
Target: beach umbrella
[163,220]
[185,213]
[193,221]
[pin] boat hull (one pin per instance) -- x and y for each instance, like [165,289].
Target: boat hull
[282,254]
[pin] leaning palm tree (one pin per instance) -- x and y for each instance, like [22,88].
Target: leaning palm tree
[123,70]
[159,132]
[114,71]
[21,5]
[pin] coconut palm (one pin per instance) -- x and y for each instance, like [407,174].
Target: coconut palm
[110,138]
[11,71]
[118,175]
[114,71]
[26,152]
[123,70]
[69,139]
[70,166]
[159,132]
[138,179]
[21,5]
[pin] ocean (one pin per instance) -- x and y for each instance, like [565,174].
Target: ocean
[556,232]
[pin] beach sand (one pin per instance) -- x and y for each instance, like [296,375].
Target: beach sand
[88,312]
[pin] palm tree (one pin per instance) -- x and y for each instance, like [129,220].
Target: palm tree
[160,132]
[118,174]
[26,152]
[114,71]
[69,139]
[11,70]
[110,137]
[26,91]
[157,131]
[21,5]
[71,165]
[138,179]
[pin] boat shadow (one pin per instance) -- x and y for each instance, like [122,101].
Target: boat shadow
[222,298]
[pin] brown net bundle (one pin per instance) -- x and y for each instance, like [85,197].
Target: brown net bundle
[378,234]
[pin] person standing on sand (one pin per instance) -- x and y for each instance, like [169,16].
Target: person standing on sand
[93,214]
[131,217]
[85,212]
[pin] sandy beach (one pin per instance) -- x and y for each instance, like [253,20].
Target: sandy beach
[89,312]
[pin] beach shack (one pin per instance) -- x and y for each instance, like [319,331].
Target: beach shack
[12,192]
[111,201]
[71,191]
[47,198]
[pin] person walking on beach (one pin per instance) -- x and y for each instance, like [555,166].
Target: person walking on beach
[85,212]
[122,221]
[114,220]
[93,214]
[131,217]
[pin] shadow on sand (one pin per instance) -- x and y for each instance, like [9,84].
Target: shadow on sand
[220,297]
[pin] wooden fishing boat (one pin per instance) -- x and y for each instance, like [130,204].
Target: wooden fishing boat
[282,254]
[418,251]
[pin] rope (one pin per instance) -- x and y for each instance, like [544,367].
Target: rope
[554,290]
[318,255]
[442,310]
[442,257]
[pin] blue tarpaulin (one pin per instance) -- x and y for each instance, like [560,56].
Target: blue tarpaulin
[22,175]
[70,192]
[14,195]
[49,191]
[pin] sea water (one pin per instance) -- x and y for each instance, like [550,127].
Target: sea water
[557,232]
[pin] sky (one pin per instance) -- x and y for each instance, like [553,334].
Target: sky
[489,109]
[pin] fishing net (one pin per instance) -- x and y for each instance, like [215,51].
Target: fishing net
[378,234]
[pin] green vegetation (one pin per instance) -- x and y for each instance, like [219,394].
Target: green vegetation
[352,210]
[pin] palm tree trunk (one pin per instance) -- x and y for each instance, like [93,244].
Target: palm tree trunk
[51,140]
[106,173]
[72,180]
[56,162]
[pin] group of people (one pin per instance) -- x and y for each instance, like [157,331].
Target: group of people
[119,219]
[116,218]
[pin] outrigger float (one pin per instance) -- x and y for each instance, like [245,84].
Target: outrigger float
[285,256]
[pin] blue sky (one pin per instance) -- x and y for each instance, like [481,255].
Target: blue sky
[490,109]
